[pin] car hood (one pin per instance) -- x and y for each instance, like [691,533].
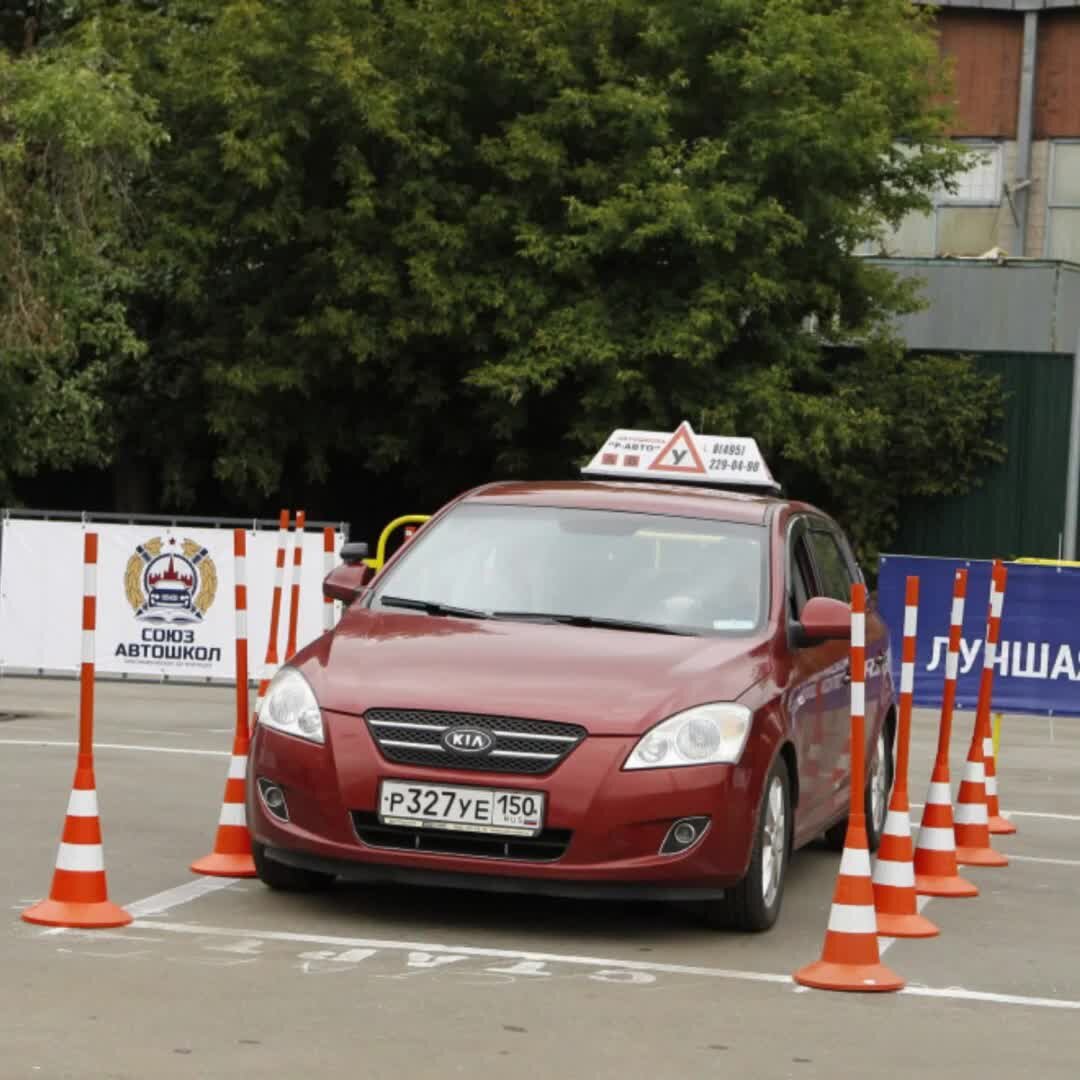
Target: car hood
[612,682]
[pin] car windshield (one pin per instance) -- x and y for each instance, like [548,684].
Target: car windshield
[511,561]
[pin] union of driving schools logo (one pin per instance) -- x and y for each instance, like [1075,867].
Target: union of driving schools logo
[170,582]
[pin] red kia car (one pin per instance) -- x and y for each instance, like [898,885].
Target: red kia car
[600,688]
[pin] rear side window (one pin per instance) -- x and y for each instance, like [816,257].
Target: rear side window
[833,571]
[802,576]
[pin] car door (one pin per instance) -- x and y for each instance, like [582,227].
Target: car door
[835,577]
[816,699]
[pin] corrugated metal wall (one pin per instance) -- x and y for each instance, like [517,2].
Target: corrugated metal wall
[1020,507]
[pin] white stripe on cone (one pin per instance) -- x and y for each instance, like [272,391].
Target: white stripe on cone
[897,823]
[88,646]
[931,839]
[858,628]
[232,814]
[891,872]
[241,569]
[89,579]
[855,862]
[988,747]
[997,599]
[952,663]
[82,803]
[911,615]
[83,858]
[970,814]
[939,795]
[241,624]
[853,919]
[957,611]
[238,767]
[991,785]
[974,772]
[990,654]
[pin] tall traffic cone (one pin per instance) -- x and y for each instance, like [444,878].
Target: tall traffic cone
[936,871]
[998,825]
[972,818]
[850,959]
[79,897]
[894,872]
[231,856]
[271,664]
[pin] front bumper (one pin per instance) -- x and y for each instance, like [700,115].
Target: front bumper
[618,820]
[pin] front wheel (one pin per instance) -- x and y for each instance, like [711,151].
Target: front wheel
[754,903]
[875,799]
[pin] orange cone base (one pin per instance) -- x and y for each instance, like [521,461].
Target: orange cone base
[967,856]
[99,915]
[824,975]
[225,865]
[1000,826]
[930,885]
[906,926]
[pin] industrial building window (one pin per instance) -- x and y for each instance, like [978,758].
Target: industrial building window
[963,222]
[1063,202]
[980,185]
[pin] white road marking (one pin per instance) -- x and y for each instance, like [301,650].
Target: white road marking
[955,993]
[161,902]
[1039,859]
[117,746]
[1023,813]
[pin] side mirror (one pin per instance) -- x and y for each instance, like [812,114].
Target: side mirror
[345,582]
[824,619]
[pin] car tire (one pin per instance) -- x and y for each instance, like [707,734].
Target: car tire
[875,798]
[285,878]
[754,903]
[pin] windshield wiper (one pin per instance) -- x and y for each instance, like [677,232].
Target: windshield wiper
[432,607]
[592,620]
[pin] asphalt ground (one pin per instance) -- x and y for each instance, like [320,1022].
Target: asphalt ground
[223,978]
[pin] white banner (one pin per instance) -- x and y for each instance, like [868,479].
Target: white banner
[165,598]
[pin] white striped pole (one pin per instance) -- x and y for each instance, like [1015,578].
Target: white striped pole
[294,605]
[231,856]
[936,871]
[270,665]
[328,566]
[79,893]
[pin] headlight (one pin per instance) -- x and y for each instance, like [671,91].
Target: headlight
[290,706]
[703,735]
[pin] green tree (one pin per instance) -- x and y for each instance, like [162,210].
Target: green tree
[73,136]
[446,240]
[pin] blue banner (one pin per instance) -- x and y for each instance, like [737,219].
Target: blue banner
[1038,658]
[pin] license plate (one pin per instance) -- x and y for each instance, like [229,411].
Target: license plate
[462,809]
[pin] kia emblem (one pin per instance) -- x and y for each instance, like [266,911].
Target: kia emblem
[468,740]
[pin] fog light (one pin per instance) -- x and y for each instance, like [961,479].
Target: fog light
[684,834]
[273,799]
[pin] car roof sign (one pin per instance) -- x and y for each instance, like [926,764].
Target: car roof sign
[724,461]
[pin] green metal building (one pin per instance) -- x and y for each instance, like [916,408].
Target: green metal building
[1020,319]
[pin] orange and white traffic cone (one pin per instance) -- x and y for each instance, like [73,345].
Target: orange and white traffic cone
[329,604]
[231,856]
[850,959]
[79,897]
[972,817]
[998,825]
[270,665]
[936,869]
[894,872]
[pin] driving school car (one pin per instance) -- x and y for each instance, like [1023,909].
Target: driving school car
[632,685]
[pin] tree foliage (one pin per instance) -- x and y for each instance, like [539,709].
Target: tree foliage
[445,240]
